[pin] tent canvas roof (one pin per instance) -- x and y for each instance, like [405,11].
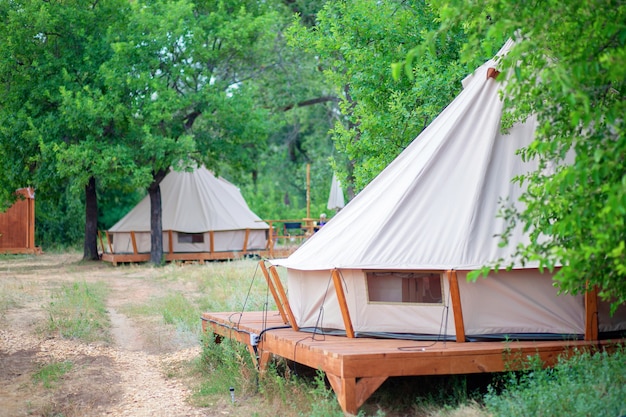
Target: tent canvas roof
[194,202]
[435,206]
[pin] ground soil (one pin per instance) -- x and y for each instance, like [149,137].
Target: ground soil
[145,368]
[136,373]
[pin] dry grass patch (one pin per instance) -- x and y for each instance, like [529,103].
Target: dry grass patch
[78,311]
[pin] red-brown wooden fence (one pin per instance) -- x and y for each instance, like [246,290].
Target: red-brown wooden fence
[17,225]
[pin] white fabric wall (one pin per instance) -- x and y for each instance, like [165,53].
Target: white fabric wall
[309,291]
[398,317]
[608,322]
[520,301]
[223,241]
[122,242]
[313,299]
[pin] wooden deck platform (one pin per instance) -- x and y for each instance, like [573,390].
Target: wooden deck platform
[117,258]
[356,367]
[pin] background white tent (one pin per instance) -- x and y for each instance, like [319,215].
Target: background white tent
[194,204]
[335,197]
[434,209]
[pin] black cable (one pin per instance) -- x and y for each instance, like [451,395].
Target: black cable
[315,328]
[231,328]
[245,302]
[273,328]
[230,318]
[320,316]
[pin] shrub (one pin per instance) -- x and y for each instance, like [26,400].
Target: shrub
[587,384]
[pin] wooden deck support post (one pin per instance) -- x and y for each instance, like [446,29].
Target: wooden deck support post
[270,239]
[591,314]
[352,392]
[283,296]
[262,360]
[259,357]
[211,241]
[343,304]
[270,285]
[101,242]
[455,297]
[106,233]
[134,241]
[170,237]
[245,241]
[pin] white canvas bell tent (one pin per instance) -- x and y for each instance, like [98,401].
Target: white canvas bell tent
[201,213]
[335,197]
[393,260]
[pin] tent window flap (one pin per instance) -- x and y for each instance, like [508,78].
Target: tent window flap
[404,287]
[190,237]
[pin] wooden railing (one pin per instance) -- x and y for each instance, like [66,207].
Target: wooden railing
[289,230]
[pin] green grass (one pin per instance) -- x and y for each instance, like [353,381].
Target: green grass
[8,299]
[174,309]
[14,294]
[223,286]
[588,384]
[193,289]
[584,385]
[277,392]
[48,375]
[78,311]
[179,311]
[11,257]
[226,364]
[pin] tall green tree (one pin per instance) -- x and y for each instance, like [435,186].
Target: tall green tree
[303,109]
[568,67]
[185,70]
[58,122]
[355,44]
[105,97]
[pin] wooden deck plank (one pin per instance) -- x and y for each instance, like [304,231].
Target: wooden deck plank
[357,366]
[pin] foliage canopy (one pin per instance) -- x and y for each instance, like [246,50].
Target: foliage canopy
[355,44]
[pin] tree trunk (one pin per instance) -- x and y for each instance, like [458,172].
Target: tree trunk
[90,247]
[156,218]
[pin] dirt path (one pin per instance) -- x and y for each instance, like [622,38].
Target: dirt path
[126,377]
